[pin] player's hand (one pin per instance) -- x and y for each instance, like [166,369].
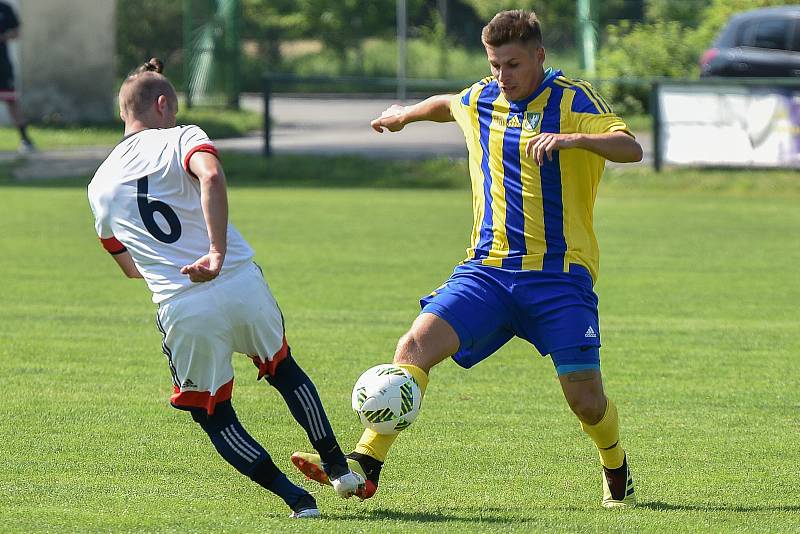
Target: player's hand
[391,119]
[544,144]
[205,268]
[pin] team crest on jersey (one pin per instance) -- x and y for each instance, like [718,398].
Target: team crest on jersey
[531,120]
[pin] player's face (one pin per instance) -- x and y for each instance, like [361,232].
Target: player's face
[518,67]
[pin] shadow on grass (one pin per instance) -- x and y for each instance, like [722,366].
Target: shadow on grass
[249,170]
[666,506]
[486,515]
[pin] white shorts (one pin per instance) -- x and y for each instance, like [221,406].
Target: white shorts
[205,325]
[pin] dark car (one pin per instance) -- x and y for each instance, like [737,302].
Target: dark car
[764,42]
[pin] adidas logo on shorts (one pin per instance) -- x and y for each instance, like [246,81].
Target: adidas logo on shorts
[188,384]
[590,332]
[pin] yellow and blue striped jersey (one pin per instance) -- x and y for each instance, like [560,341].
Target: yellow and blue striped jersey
[528,217]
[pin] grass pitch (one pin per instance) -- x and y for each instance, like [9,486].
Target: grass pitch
[699,295]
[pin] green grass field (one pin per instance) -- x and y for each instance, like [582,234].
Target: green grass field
[698,293]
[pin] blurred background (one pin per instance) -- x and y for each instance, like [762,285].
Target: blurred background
[223,54]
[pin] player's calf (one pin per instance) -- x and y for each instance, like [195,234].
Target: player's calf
[303,400]
[248,457]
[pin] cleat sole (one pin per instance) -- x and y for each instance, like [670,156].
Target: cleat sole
[311,470]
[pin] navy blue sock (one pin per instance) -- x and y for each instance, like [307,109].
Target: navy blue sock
[267,475]
[301,396]
[244,453]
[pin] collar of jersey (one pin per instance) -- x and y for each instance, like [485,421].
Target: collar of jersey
[521,105]
[126,137]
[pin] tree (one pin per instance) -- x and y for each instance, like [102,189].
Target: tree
[268,23]
[343,25]
[663,47]
[557,17]
[147,28]
[688,13]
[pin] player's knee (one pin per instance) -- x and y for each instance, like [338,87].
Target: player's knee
[223,415]
[589,407]
[412,350]
[407,348]
[288,374]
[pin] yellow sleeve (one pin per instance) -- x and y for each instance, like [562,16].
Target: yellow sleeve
[591,114]
[460,107]
[595,124]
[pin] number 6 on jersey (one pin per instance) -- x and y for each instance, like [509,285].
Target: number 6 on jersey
[148,209]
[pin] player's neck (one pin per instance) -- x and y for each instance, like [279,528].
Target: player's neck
[135,126]
[146,122]
[539,80]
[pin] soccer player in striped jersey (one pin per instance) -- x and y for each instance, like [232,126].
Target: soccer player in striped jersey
[161,210]
[537,144]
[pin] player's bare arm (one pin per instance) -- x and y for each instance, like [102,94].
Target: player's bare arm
[614,146]
[435,108]
[125,262]
[214,201]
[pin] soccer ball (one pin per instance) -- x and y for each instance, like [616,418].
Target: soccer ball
[386,399]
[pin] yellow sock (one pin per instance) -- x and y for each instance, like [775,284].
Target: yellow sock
[605,435]
[378,445]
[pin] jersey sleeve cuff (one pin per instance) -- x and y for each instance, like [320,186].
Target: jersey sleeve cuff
[112,245]
[206,147]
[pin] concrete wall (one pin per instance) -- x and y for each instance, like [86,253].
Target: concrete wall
[66,60]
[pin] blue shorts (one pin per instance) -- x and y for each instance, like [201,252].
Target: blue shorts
[487,306]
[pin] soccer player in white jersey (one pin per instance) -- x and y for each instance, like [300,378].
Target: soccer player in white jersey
[161,210]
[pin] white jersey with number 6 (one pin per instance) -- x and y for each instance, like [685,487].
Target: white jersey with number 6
[146,200]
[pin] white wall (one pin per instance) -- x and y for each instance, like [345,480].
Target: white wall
[66,59]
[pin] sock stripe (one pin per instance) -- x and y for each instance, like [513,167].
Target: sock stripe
[316,410]
[300,393]
[312,424]
[609,448]
[243,453]
[235,446]
[243,442]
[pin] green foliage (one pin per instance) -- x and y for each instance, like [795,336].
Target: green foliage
[663,47]
[268,23]
[342,25]
[689,13]
[643,51]
[148,28]
[425,60]
[556,17]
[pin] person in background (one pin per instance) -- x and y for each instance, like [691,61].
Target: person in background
[9,30]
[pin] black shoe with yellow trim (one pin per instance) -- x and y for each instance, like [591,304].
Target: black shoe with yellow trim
[618,491]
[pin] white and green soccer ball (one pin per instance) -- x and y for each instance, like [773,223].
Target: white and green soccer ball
[386,399]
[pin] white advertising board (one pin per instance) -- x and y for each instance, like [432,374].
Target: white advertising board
[729,125]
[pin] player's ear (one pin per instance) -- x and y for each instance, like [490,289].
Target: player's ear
[162,103]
